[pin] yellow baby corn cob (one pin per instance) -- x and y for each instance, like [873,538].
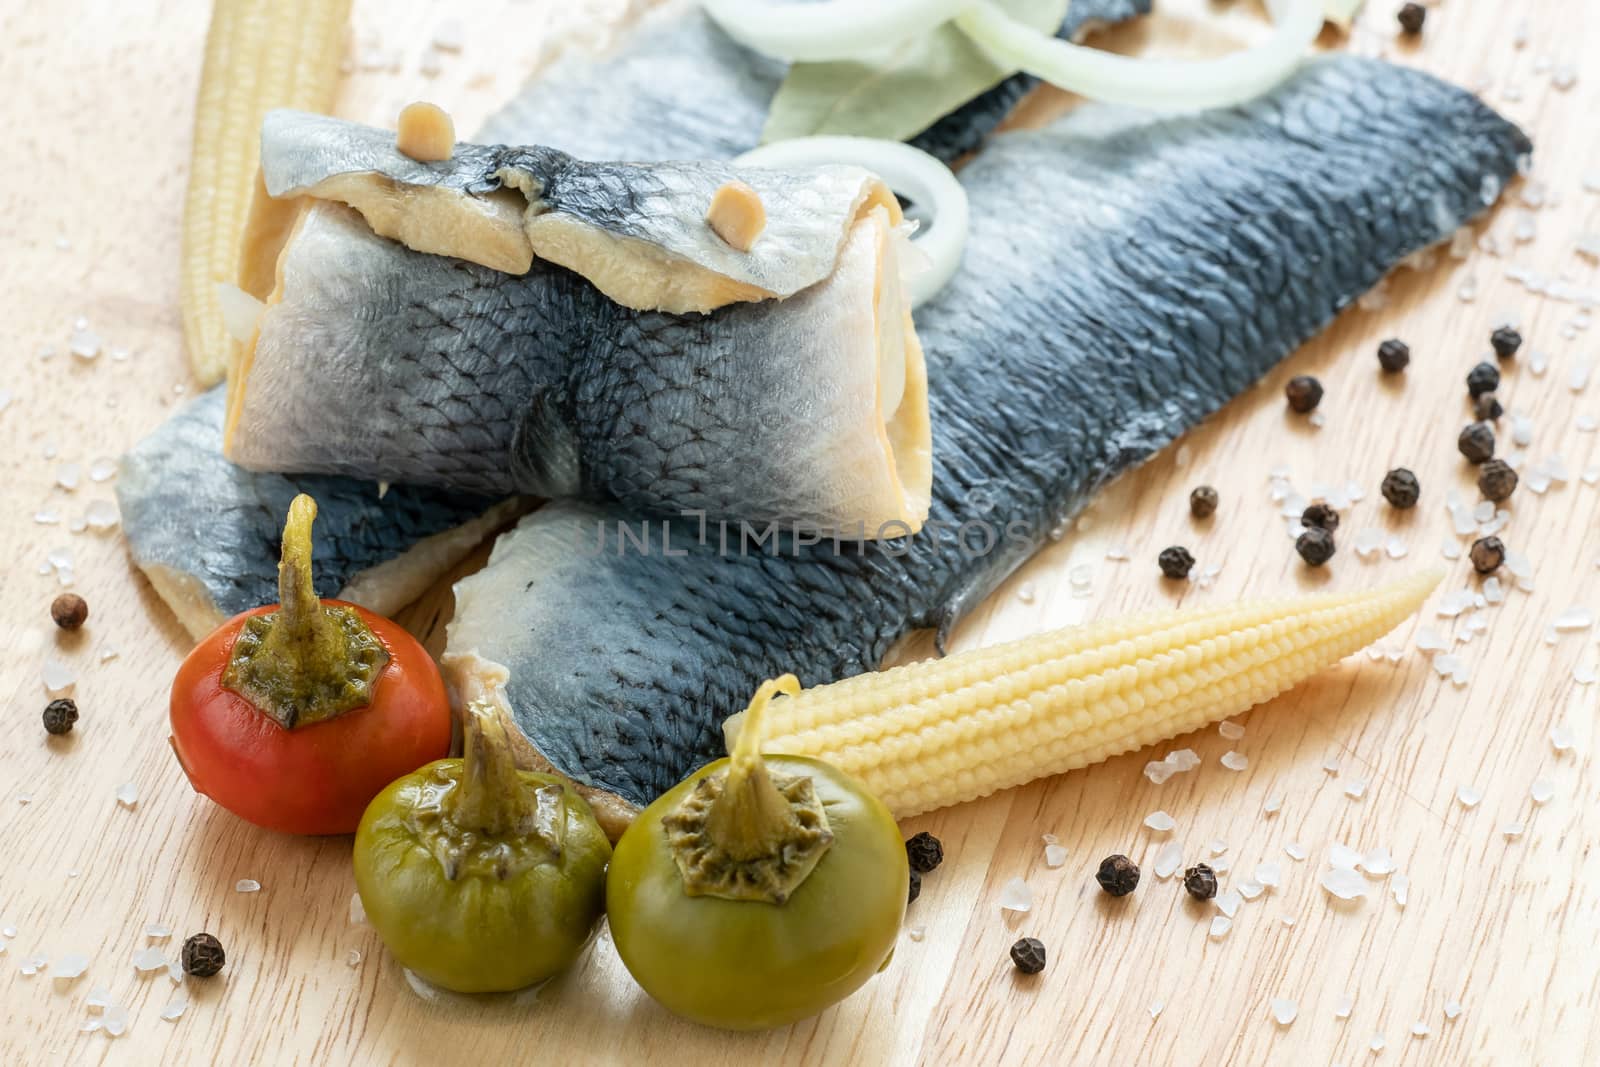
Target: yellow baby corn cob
[260,54]
[928,735]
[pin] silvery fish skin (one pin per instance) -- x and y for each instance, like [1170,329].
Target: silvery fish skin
[637,231]
[380,362]
[206,533]
[1125,276]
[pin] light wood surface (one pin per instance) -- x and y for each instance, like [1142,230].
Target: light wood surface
[96,108]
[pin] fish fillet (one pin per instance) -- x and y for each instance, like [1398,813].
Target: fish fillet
[206,533]
[1125,276]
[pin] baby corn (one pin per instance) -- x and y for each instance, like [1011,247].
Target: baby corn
[932,734]
[260,54]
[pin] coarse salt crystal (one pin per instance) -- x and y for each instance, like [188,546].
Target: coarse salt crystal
[1235,761]
[1016,896]
[1468,796]
[1513,829]
[85,344]
[68,476]
[1420,1029]
[127,794]
[1343,856]
[1054,856]
[157,931]
[1564,77]
[1342,1007]
[1400,888]
[1430,640]
[1330,764]
[176,1006]
[1249,889]
[1220,925]
[1156,1007]
[1228,902]
[57,677]
[1493,591]
[1344,884]
[1295,850]
[1574,618]
[1562,738]
[1221,864]
[1284,1011]
[1368,541]
[1377,862]
[1452,1008]
[1542,790]
[101,515]
[102,469]
[1355,788]
[149,959]
[353,957]
[1168,859]
[1159,821]
[1273,804]
[1025,593]
[1158,771]
[1269,874]
[1118,554]
[247,885]
[1230,731]
[1395,547]
[1583,674]
[70,966]
[1184,759]
[1449,548]
[1377,1043]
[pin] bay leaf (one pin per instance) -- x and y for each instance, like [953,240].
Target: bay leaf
[901,91]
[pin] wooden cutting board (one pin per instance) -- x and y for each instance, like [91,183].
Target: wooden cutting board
[97,110]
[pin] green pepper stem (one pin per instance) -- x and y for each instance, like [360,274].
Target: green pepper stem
[494,799]
[751,818]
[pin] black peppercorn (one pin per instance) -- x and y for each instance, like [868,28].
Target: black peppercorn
[60,715]
[915,890]
[1484,378]
[1321,516]
[1411,18]
[203,956]
[69,610]
[1176,562]
[1486,407]
[924,852]
[1506,341]
[1201,881]
[1118,875]
[1496,480]
[1487,554]
[1315,546]
[1028,955]
[1401,489]
[1203,502]
[1476,442]
[1304,393]
[1394,355]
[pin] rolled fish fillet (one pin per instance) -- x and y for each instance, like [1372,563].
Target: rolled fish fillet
[376,361]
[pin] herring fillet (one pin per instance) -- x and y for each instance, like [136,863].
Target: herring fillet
[206,532]
[1125,276]
[674,63]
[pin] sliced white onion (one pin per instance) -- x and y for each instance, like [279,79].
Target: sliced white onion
[910,172]
[829,29]
[1165,84]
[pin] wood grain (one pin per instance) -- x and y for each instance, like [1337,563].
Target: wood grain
[97,108]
